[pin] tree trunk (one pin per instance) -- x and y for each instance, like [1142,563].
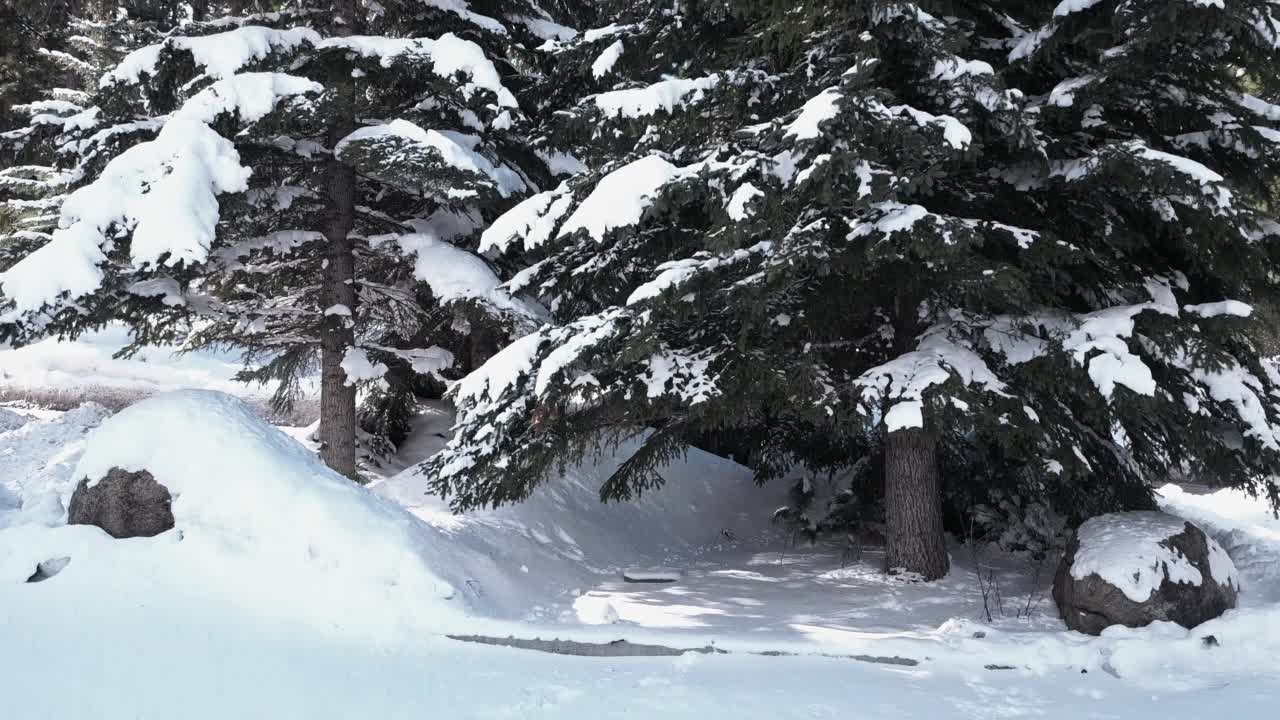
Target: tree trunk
[337,398]
[914,539]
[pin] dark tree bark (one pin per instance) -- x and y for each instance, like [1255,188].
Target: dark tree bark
[913,509]
[914,539]
[337,398]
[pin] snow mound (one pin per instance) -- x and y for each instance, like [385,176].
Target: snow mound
[261,527]
[1128,551]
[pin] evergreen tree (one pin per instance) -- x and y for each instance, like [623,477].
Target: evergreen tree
[1001,249]
[305,186]
[47,76]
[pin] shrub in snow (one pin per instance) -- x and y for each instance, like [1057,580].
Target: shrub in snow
[125,504]
[1139,567]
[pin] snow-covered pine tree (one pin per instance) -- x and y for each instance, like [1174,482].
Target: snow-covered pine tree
[308,191]
[900,228]
[48,71]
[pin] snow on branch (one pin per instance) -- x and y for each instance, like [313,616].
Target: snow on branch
[479,393]
[463,10]
[163,192]
[666,95]
[220,55]
[224,54]
[818,109]
[826,106]
[456,275]
[621,197]
[359,368]
[448,55]
[903,381]
[675,273]
[682,374]
[532,221]
[1211,185]
[404,145]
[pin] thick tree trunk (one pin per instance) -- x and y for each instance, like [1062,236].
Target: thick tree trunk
[913,510]
[337,398]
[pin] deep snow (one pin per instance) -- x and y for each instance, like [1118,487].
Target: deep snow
[286,592]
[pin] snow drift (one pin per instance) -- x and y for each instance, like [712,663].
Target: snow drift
[563,540]
[261,526]
[258,514]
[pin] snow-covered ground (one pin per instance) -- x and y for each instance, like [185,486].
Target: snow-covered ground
[286,592]
[58,373]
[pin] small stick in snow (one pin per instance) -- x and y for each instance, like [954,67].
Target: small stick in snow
[656,575]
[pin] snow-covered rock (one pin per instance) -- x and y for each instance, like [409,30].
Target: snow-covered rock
[1136,568]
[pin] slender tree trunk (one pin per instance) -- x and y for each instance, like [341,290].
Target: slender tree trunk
[337,398]
[914,538]
[913,509]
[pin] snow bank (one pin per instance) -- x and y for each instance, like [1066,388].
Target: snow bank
[10,420]
[262,528]
[1245,526]
[37,457]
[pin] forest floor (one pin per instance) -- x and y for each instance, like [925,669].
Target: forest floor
[150,628]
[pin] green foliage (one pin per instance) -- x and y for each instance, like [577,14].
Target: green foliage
[998,218]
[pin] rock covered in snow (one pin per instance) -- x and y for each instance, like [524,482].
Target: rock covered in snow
[125,504]
[1136,568]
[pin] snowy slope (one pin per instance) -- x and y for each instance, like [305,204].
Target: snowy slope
[563,540]
[37,456]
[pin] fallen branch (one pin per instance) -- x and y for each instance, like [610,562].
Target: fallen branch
[616,648]
[626,648]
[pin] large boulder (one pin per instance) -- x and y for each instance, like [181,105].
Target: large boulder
[125,504]
[1135,568]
